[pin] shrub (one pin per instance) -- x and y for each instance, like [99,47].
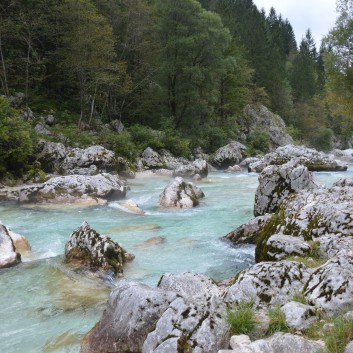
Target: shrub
[259,141]
[16,140]
[242,319]
[322,140]
[144,137]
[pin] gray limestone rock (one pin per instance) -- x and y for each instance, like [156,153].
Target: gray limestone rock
[330,287]
[94,251]
[180,194]
[299,316]
[268,283]
[280,246]
[151,159]
[228,155]
[248,233]
[8,255]
[349,348]
[199,166]
[277,182]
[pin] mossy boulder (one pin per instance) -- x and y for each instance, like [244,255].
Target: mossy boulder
[180,194]
[96,252]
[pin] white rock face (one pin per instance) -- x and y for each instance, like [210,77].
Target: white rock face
[239,341]
[66,189]
[330,287]
[299,316]
[180,194]
[280,246]
[349,348]
[312,159]
[152,159]
[199,166]
[277,182]
[228,155]
[268,283]
[150,320]
[8,255]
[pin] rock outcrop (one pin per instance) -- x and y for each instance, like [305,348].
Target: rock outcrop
[184,314]
[299,316]
[8,255]
[310,158]
[95,252]
[68,189]
[180,194]
[228,155]
[277,182]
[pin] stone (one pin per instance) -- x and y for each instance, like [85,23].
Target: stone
[129,206]
[259,117]
[277,182]
[68,189]
[49,119]
[280,246]
[228,155]
[42,129]
[96,252]
[248,233]
[132,312]
[349,348]
[233,169]
[180,194]
[152,159]
[20,242]
[196,177]
[330,287]
[117,126]
[199,166]
[237,342]
[268,283]
[28,115]
[247,161]
[310,158]
[8,255]
[299,316]
[151,242]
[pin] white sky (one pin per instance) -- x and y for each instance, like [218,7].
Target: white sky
[318,15]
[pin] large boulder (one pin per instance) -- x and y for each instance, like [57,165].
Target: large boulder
[180,194]
[320,215]
[181,315]
[151,159]
[228,155]
[277,182]
[66,189]
[310,158]
[96,252]
[260,117]
[299,316]
[330,287]
[197,167]
[268,283]
[8,255]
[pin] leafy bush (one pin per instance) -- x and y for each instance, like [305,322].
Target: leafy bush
[322,140]
[16,140]
[242,319]
[145,137]
[259,141]
[71,135]
[215,137]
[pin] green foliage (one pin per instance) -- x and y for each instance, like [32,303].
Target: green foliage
[259,141]
[315,259]
[277,321]
[242,319]
[144,137]
[300,298]
[339,336]
[16,140]
[323,139]
[71,135]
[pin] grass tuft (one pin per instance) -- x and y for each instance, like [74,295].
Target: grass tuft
[277,321]
[242,319]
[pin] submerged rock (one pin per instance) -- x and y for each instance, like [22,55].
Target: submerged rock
[8,255]
[180,194]
[68,189]
[178,316]
[268,283]
[94,251]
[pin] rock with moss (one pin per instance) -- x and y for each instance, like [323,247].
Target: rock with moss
[68,189]
[175,317]
[151,159]
[96,252]
[228,155]
[310,158]
[180,194]
[248,232]
[299,316]
[330,287]
[280,246]
[277,182]
[268,283]
[8,255]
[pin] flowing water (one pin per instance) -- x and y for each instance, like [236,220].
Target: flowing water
[46,307]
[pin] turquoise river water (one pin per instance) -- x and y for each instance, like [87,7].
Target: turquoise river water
[46,307]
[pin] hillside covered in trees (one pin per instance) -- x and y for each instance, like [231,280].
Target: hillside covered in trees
[176,73]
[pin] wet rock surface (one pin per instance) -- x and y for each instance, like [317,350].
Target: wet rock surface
[8,255]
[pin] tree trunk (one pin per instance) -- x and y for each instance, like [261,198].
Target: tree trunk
[4,81]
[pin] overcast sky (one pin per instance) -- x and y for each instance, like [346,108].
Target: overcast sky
[318,15]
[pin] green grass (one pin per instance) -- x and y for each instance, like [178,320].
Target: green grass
[315,259]
[242,319]
[277,321]
[300,298]
[339,336]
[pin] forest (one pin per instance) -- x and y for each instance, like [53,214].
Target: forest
[176,73]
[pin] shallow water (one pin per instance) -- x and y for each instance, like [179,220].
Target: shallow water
[46,307]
